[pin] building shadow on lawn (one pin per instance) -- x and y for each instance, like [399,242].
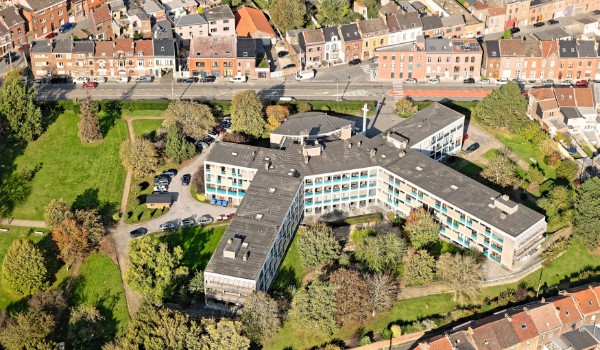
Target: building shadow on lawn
[286,277]
[193,243]
[112,111]
[89,200]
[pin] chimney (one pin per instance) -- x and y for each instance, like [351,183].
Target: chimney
[505,197]
[246,255]
[359,143]
[349,145]
[305,159]
[543,300]
[267,165]
[507,316]
[372,153]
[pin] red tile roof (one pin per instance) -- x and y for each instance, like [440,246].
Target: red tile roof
[565,96]
[524,326]
[549,47]
[485,337]
[496,11]
[568,312]
[101,14]
[442,343]
[250,20]
[124,44]
[144,48]
[544,316]
[584,97]
[105,47]
[541,94]
[586,298]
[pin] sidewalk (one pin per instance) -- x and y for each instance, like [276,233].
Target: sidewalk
[23,223]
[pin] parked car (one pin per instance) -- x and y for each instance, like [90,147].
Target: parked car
[51,35]
[472,148]
[100,80]
[355,62]
[161,180]
[583,83]
[433,81]
[226,118]
[238,79]
[538,24]
[515,30]
[201,145]
[190,80]
[204,219]
[10,57]
[60,79]
[552,21]
[66,27]
[501,81]
[90,85]
[208,79]
[39,80]
[167,226]
[81,80]
[286,99]
[143,80]
[225,124]
[548,82]
[123,80]
[410,81]
[138,232]
[170,172]
[566,82]
[24,47]
[596,12]
[185,179]
[161,188]
[291,65]
[484,81]
[282,54]
[219,130]
[213,134]
[469,81]
[188,222]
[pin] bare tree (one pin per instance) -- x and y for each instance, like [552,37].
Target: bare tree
[383,291]
[462,274]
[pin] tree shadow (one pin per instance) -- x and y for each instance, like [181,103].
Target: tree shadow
[112,112]
[50,112]
[89,200]
[192,240]
[51,253]
[14,188]
[286,277]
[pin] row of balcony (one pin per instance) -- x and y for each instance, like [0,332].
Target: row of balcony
[335,181]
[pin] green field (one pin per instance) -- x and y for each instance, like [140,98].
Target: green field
[99,284]
[145,126]
[198,244]
[84,175]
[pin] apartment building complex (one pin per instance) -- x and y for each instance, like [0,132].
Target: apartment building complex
[448,59]
[86,58]
[566,321]
[312,173]
[533,59]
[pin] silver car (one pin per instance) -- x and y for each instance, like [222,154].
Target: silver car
[204,219]
[167,226]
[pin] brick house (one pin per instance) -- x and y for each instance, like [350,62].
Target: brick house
[213,56]
[100,23]
[491,59]
[374,33]
[253,23]
[94,4]
[43,16]
[432,26]
[453,26]
[78,10]
[12,29]
[312,45]
[352,41]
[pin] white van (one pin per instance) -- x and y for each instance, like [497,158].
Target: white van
[123,80]
[286,99]
[305,74]
[238,79]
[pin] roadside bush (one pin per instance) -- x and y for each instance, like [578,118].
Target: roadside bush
[198,180]
[396,331]
[303,107]
[325,108]
[364,341]
[234,137]
[386,334]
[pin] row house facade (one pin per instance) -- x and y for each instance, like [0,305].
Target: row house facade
[333,52]
[43,16]
[312,46]
[493,17]
[566,321]
[526,12]
[403,27]
[532,60]
[447,59]
[213,56]
[12,29]
[351,41]
[374,34]
[86,58]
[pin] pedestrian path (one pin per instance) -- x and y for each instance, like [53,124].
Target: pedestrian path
[24,223]
[354,93]
[398,90]
[367,68]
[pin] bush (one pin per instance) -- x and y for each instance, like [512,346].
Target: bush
[325,108]
[396,331]
[198,180]
[303,107]
[364,341]
[234,137]
[386,334]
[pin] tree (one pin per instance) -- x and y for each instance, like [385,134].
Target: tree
[314,307]
[422,230]
[567,169]
[177,147]
[234,137]
[547,146]
[91,222]
[139,156]
[72,241]
[287,14]
[500,171]
[260,317]
[84,326]
[193,119]
[352,301]
[276,114]
[223,335]
[333,12]
[557,200]
[304,107]
[507,34]
[153,268]
[28,330]
[373,7]
[587,213]
[18,107]
[512,113]
[532,132]
[462,273]
[51,301]
[317,245]
[405,107]
[24,269]
[56,211]
[89,127]
[382,291]
[535,175]
[419,269]
[196,284]
[383,252]
[247,113]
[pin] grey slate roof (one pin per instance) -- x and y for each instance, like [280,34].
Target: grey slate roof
[164,47]
[453,21]
[585,20]
[11,16]
[313,123]
[406,6]
[162,29]
[330,32]
[219,13]
[371,26]
[37,5]
[83,46]
[567,48]
[436,178]
[556,33]
[41,46]
[350,32]
[580,339]
[63,46]
[431,22]
[152,6]
[116,5]
[409,20]
[190,20]
[246,47]
[437,45]
[586,48]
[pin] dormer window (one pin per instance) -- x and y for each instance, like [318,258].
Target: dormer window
[141,53]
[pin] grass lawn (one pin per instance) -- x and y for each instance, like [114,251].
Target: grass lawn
[145,126]
[464,166]
[99,284]
[290,272]
[198,244]
[145,113]
[85,175]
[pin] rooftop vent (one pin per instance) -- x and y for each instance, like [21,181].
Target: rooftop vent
[258,216]
[454,187]
[246,256]
[503,215]
[373,152]
[272,190]
[234,154]
[401,153]
[418,168]
[523,326]
[349,145]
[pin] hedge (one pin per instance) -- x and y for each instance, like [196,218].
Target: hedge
[337,106]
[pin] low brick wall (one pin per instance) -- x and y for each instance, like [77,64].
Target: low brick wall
[387,344]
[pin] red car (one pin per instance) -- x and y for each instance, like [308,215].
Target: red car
[90,85]
[219,129]
[583,83]
[51,35]
[24,47]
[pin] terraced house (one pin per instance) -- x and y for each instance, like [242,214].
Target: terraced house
[316,165]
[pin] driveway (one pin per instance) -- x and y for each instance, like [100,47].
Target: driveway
[486,142]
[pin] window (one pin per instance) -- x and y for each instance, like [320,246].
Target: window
[226,21]
[215,64]
[457,60]
[428,59]
[226,28]
[140,63]
[439,59]
[199,64]
[213,30]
